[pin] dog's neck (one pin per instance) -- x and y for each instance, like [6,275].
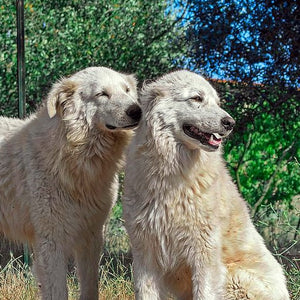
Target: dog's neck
[102,153]
[105,148]
[171,158]
[78,140]
[84,156]
[168,168]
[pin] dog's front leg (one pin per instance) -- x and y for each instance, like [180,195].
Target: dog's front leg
[146,281]
[50,268]
[201,286]
[206,283]
[87,258]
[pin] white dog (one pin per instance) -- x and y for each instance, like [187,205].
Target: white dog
[190,230]
[58,174]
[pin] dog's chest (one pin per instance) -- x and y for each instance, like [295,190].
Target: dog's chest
[181,213]
[180,233]
[193,204]
[180,220]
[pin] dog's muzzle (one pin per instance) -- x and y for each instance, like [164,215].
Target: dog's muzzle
[134,112]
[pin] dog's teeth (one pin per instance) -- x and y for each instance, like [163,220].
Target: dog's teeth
[211,138]
[217,135]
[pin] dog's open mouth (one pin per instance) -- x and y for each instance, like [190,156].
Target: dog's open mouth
[131,126]
[211,139]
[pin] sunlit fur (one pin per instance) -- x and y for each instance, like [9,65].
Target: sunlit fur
[58,175]
[190,230]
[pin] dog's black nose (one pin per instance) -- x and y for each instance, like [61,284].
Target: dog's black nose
[227,123]
[134,112]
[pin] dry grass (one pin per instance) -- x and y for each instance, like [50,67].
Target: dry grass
[18,283]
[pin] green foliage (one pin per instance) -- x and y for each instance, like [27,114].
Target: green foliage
[8,60]
[263,150]
[63,37]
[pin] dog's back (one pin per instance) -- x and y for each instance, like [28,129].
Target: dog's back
[14,190]
[9,126]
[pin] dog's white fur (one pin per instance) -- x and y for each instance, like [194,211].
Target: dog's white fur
[190,230]
[58,174]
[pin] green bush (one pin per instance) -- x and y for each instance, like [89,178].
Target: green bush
[263,150]
[62,37]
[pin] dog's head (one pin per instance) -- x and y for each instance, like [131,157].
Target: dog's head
[101,96]
[186,106]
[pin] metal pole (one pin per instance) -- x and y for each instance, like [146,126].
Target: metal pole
[21,82]
[21,57]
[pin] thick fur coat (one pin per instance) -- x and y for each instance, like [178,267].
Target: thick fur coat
[190,230]
[58,174]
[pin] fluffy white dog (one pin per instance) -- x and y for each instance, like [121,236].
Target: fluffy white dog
[58,174]
[190,230]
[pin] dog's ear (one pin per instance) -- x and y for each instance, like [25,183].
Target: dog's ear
[151,91]
[158,92]
[132,81]
[59,100]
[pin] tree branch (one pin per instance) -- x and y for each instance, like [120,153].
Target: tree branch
[162,33]
[268,183]
[240,161]
[297,230]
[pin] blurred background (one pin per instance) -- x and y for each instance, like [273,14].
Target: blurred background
[248,50]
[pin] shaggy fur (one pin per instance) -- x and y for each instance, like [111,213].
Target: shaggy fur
[190,230]
[58,174]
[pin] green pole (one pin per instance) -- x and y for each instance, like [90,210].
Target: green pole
[21,57]
[21,82]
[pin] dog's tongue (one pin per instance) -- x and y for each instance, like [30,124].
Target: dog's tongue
[214,141]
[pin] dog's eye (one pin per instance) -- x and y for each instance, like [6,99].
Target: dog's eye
[197,98]
[102,94]
[127,89]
